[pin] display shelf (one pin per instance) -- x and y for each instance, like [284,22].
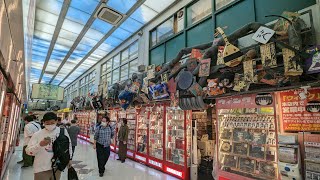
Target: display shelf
[130,114]
[202,122]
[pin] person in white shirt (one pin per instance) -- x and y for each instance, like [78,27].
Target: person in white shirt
[30,128]
[40,146]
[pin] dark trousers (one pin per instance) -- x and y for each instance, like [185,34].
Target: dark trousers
[122,151]
[27,160]
[73,148]
[103,154]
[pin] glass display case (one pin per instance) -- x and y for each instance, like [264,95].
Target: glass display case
[83,119]
[247,141]
[156,132]
[142,131]
[178,142]
[175,141]
[114,122]
[131,117]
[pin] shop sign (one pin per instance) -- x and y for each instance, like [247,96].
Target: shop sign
[245,101]
[300,114]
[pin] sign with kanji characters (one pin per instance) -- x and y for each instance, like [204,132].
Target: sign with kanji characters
[300,114]
[246,101]
[263,35]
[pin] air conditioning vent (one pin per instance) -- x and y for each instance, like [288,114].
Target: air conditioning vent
[109,15]
[50,72]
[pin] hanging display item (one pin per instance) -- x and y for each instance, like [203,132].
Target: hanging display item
[151,71]
[196,89]
[204,70]
[232,56]
[313,63]
[291,66]
[263,35]
[212,88]
[268,55]
[220,60]
[196,53]
[300,110]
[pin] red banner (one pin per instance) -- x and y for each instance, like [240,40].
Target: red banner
[300,110]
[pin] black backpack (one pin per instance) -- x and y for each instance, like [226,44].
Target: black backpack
[61,152]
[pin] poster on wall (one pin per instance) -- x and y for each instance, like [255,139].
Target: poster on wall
[298,113]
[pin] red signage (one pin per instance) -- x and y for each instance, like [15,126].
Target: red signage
[300,110]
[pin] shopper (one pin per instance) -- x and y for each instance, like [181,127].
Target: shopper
[123,139]
[30,128]
[40,146]
[59,123]
[102,140]
[73,131]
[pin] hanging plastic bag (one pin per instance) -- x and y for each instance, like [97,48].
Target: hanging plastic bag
[72,174]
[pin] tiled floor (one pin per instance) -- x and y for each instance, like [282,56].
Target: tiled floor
[85,162]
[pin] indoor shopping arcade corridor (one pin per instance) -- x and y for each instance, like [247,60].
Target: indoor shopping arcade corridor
[85,163]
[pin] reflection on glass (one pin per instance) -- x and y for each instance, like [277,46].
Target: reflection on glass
[124,72]
[175,136]
[133,67]
[116,61]
[154,37]
[198,11]
[115,76]
[124,56]
[222,3]
[109,65]
[165,30]
[133,50]
[109,78]
[156,132]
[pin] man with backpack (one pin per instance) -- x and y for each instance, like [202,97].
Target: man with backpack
[30,128]
[52,149]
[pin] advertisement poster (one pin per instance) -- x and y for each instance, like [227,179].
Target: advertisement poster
[300,112]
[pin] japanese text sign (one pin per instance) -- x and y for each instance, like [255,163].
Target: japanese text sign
[300,114]
[263,35]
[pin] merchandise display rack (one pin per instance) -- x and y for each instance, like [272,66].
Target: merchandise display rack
[142,135]
[131,115]
[83,120]
[247,139]
[113,114]
[202,122]
[156,136]
[178,142]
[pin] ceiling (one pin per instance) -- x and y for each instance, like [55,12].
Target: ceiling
[68,39]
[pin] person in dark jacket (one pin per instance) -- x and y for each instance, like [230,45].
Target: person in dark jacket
[73,131]
[123,139]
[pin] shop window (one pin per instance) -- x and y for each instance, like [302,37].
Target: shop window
[198,11]
[133,67]
[115,76]
[133,49]
[154,37]
[125,56]
[222,3]
[116,61]
[124,72]
[165,30]
[109,65]
[103,68]
[108,78]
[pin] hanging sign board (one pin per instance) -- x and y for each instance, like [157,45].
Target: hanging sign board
[300,114]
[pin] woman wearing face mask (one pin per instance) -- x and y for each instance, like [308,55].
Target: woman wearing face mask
[40,146]
[102,140]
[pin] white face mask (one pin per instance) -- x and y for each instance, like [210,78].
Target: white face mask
[50,127]
[103,124]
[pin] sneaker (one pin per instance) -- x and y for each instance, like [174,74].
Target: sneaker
[119,159]
[101,174]
[24,166]
[123,161]
[20,162]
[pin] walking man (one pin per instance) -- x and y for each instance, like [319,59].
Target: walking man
[123,139]
[102,141]
[41,146]
[30,128]
[73,131]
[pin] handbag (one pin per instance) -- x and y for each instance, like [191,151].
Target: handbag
[72,174]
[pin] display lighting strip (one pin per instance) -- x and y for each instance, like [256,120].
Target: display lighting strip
[175,172]
[155,163]
[141,158]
